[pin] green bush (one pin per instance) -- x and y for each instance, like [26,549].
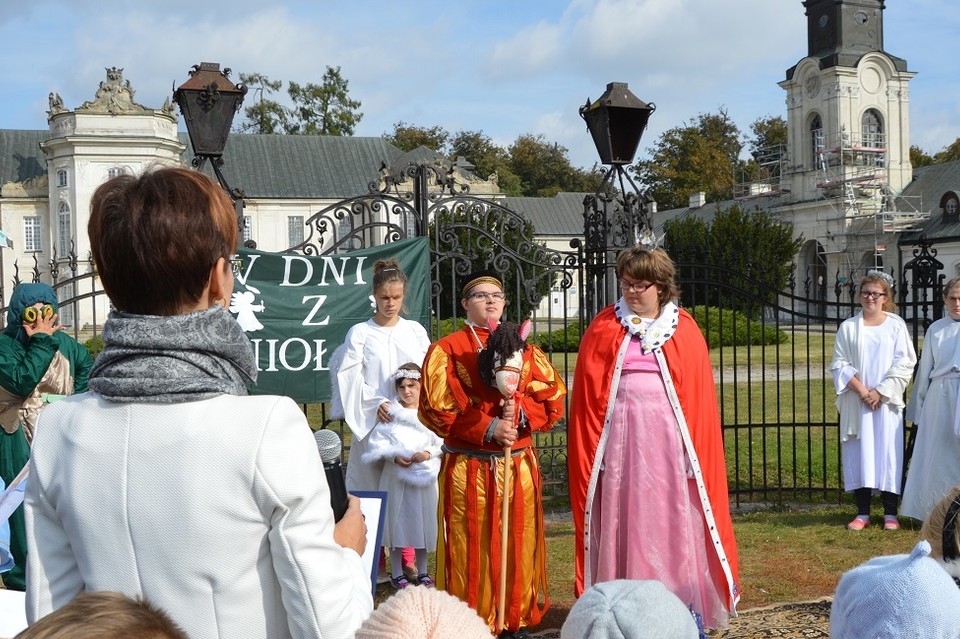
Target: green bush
[445,327]
[731,328]
[94,345]
[565,339]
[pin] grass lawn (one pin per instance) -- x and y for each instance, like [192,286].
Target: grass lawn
[785,555]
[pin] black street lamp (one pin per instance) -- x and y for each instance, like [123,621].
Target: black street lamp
[616,216]
[208,102]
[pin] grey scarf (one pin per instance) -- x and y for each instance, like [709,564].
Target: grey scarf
[172,359]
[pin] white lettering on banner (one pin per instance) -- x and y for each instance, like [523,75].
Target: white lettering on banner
[329,268]
[316,307]
[288,261]
[243,278]
[296,348]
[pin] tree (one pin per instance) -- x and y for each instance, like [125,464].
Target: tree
[766,147]
[952,152]
[918,157]
[324,109]
[318,109]
[699,156]
[768,132]
[487,158]
[408,137]
[264,115]
[751,252]
[543,167]
[475,238]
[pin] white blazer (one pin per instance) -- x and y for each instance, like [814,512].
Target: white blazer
[217,511]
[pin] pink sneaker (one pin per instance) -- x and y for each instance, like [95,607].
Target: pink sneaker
[858,524]
[891,523]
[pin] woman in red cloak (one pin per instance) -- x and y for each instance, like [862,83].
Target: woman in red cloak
[648,483]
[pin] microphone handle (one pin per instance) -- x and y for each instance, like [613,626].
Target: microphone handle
[338,489]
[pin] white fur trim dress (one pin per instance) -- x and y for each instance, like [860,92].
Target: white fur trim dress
[412,491]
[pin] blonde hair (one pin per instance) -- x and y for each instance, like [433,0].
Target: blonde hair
[936,522]
[105,615]
[889,305]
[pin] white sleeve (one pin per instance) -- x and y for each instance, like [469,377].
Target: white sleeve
[325,588]
[360,400]
[53,576]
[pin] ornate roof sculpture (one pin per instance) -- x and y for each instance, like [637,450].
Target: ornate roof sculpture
[114,97]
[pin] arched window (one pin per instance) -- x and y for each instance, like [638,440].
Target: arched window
[817,142]
[62,178]
[871,130]
[950,205]
[64,229]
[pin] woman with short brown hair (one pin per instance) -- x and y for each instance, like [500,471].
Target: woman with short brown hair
[167,481]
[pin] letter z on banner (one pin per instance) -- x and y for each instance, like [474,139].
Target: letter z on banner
[297,309]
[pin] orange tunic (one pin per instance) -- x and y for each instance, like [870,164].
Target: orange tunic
[688,364]
[458,406]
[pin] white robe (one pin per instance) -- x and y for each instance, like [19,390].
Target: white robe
[413,493]
[935,466]
[872,440]
[365,380]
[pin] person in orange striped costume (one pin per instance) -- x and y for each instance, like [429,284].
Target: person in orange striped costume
[477,423]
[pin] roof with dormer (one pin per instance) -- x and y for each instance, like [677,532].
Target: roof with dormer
[931,183]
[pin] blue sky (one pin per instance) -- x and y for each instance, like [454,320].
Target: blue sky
[505,67]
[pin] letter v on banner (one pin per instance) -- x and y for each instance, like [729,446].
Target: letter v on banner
[296,309]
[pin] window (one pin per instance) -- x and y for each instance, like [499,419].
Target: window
[62,177]
[816,142]
[64,231]
[871,129]
[951,208]
[115,172]
[31,234]
[247,228]
[294,230]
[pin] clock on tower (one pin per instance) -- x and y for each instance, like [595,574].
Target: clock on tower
[844,28]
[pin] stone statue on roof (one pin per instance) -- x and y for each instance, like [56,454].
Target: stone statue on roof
[114,97]
[56,104]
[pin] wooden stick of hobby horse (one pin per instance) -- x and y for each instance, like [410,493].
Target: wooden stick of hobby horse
[504,521]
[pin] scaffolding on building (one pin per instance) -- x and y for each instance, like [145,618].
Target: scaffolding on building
[864,213]
[768,167]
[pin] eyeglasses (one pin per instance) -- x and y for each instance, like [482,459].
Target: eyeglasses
[634,287]
[236,263]
[488,297]
[872,295]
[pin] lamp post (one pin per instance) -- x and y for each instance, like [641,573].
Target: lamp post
[208,102]
[616,216]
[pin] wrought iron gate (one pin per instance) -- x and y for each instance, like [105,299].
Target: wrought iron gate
[467,233]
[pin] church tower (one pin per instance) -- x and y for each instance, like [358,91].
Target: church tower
[848,138]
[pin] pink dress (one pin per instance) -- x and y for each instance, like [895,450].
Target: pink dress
[649,523]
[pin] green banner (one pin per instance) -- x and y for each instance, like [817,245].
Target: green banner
[297,309]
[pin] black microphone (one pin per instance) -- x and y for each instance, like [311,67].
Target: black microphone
[329,445]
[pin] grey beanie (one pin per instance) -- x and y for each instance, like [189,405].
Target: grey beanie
[629,609]
[897,596]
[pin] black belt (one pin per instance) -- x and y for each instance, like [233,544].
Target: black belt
[483,454]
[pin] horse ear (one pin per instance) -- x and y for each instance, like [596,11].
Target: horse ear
[525,329]
[491,324]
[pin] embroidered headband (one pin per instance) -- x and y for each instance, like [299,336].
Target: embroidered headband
[886,277]
[404,373]
[483,279]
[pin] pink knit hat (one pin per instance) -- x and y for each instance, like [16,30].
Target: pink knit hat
[419,612]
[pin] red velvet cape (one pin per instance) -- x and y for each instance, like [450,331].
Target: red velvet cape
[688,361]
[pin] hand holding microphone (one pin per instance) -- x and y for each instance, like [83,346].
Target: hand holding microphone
[351,529]
[329,446]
